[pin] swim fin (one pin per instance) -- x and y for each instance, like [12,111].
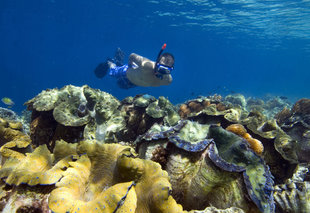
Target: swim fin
[102,69]
[119,57]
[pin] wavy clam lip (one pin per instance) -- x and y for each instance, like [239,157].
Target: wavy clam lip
[110,177]
[226,150]
[256,173]
[36,168]
[294,137]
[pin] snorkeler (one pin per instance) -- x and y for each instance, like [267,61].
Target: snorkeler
[139,71]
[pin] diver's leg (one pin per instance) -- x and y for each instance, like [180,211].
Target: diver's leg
[116,71]
[120,74]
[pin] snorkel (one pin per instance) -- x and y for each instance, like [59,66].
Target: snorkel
[160,52]
[162,68]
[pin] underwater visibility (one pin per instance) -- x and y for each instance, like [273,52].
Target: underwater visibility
[155,106]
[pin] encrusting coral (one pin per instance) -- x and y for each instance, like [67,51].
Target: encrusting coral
[255,144]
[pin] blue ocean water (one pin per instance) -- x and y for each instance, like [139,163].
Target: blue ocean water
[252,47]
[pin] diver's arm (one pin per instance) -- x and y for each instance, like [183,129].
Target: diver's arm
[135,60]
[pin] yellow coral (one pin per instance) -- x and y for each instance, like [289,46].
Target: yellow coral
[74,193]
[237,129]
[108,178]
[33,168]
[90,184]
[11,137]
[153,187]
[255,144]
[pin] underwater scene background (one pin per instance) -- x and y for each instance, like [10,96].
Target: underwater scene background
[255,48]
[231,134]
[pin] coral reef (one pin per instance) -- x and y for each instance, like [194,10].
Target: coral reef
[192,107]
[25,199]
[294,195]
[11,137]
[293,141]
[196,181]
[88,151]
[238,157]
[8,114]
[236,100]
[65,113]
[75,113]
[215,210]
[34,168]
[270,106]
[142,111]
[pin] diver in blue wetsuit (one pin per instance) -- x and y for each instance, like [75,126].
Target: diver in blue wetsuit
[139,71]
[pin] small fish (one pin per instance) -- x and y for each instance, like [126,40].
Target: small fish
[8,101]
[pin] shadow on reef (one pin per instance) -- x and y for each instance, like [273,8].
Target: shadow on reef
[88,152]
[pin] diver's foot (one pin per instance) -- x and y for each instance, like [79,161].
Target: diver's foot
[111,64]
